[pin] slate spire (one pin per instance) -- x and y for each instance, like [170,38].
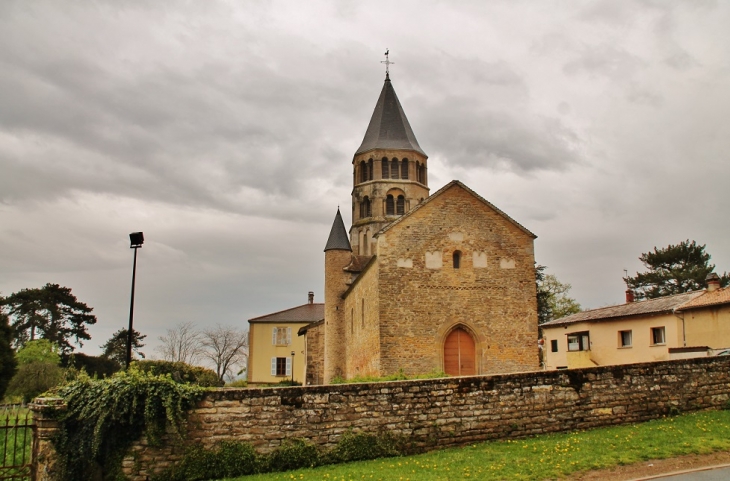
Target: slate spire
[389,127]
[338,239]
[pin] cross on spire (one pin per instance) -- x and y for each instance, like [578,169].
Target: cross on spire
[387,63]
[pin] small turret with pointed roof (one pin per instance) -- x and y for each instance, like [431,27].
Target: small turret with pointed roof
[390,171]
[338,239]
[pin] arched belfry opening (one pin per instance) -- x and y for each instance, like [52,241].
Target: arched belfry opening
[460,353]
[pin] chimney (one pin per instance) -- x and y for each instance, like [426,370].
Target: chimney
[629,296]
[713,282]
[311,297]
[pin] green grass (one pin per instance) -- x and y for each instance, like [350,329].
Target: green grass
[542,457]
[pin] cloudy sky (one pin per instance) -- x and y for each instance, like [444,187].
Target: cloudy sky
[225,132]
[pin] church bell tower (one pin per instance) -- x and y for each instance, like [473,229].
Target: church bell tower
[390,174]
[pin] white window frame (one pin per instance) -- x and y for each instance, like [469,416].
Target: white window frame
[582,341]
[274,366]
[281,334]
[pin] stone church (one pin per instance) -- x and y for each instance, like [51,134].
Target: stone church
[422,283]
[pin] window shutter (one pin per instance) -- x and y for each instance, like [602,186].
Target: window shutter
[288,335]
[288,366]
[273,337]
[273,363]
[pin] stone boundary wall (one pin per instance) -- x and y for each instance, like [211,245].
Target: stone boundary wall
[450,411]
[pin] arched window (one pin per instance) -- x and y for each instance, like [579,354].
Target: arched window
[363,171]
[385,169]
[456,261]
[370,169]
[422,174]
[418,171]
[389,205]
[404,169]
[394,169]
[400,207]
[365,210]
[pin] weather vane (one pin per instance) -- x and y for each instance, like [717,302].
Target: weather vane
[387,63]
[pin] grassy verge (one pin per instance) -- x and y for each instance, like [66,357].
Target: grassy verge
[543,457]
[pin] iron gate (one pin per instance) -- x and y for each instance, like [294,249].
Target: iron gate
[16,443]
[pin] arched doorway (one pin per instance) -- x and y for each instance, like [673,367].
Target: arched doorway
[459,353]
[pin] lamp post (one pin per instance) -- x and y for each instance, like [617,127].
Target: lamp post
[292,368]
[136,239]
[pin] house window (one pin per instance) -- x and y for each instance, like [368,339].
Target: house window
[281,366]
[370,169]
[554,345]
[384,168]
[457,259]
[281,336]
[579,341]
[657,336]
[404,169]
[624,338]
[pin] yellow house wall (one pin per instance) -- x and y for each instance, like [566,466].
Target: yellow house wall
[605,348]
[261,350]
[709,326]
[362,329]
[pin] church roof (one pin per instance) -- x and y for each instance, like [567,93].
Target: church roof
[338,239]
[443,189]
[389,127]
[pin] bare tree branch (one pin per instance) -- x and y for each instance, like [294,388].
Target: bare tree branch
[225,347]
[182,344]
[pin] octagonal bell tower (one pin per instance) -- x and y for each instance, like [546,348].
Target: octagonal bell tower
[390,172]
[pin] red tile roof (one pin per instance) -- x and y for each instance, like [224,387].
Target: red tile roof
[651,306]
[709,298]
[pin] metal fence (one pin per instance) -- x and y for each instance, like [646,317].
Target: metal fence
[16,443]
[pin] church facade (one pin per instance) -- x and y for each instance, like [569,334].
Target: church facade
[421,283]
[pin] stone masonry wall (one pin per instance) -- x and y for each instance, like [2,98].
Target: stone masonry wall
[362,336]
[450,411]
[492,294]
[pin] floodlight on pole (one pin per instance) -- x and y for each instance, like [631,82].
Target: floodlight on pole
[136,239]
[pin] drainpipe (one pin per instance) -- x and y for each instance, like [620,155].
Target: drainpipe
[680,315]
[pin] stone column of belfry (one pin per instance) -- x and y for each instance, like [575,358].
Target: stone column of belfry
[337,256]
[388,162]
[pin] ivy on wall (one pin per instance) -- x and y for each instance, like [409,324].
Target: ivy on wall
[104,416]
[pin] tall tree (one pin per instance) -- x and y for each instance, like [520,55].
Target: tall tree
[553,301]
[225,347]
[183,343]
[8,363]
[50,312]
[116,347]
[673,270]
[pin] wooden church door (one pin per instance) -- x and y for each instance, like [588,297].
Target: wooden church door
[459,354]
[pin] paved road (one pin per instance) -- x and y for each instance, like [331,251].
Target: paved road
[719,474]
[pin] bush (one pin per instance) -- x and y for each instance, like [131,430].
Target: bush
[362,446]
[237,383]
[95,366]
[33,379]
[227,460]
[294,454]
[180,372]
